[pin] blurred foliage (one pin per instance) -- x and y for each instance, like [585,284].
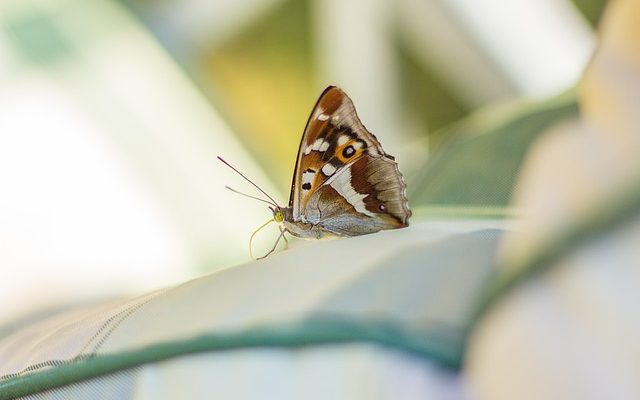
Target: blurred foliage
[36,37]
[425,98]
[479,165]
[262,81]
[591,9]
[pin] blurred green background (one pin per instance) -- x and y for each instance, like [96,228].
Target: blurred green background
[112,113]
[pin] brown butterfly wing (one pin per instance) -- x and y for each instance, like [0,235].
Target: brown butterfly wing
[365,196]
[333,138]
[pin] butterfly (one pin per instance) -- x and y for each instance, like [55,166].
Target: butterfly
[344,184]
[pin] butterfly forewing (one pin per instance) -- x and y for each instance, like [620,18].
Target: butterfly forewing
[333,138]
[344,181]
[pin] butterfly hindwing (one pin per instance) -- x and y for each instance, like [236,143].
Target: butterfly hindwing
[363,197]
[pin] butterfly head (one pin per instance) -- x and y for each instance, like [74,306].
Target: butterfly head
[278,214]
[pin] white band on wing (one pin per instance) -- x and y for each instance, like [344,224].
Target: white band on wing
[342,184]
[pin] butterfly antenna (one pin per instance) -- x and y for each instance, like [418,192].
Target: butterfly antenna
[248,180]
[249,196]
[253,234]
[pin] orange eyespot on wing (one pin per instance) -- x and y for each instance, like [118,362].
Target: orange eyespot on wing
[349,151]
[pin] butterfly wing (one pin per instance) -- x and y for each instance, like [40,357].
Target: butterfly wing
[342,174]
[365,196]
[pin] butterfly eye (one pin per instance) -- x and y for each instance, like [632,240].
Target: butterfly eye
[279,217]
[382,208]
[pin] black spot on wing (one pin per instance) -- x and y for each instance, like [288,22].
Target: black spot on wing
[348,151]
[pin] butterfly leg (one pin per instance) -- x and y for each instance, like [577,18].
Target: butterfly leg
[286,242]
[282,232]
